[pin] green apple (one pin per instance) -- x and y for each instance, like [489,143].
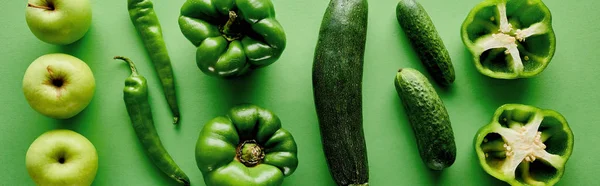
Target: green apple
[58,85]
[62,157]
[58,22]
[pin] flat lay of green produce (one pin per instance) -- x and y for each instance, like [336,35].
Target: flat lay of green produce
[508,41]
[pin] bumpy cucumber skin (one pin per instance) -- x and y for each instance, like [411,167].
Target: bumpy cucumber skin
[428,117]
[337,87]
[425,40]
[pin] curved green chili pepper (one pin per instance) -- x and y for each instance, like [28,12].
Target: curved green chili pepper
[145,21]
[135,95]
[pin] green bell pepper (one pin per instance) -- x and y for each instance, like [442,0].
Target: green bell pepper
[510,39]
[525,145]
[232,36]
[246,147]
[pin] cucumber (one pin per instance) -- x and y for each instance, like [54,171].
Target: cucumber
[426,41]
[337,87]
[428,117]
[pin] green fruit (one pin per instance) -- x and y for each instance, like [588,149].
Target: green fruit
[248,146]
[135,95]
[233,37]
[58,22]
[62,157]
[509,39]
[337,85]
[58,85]
[145,20]
[525,145]
[425,40]
[428,117]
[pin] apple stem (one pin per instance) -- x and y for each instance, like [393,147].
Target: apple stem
[42,7]
[131,65]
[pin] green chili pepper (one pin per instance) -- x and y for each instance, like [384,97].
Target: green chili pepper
[232,36]
[135,95]
[246,147]
[525,145]
[145,21]
[510,39]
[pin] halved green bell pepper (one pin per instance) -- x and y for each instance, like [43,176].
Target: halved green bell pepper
[510,39]
[525,145]
[246,147]
[232,36]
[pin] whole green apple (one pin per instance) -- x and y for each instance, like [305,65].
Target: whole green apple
[58,22]
[62,157]
[58,85]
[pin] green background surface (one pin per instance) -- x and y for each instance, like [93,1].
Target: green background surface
[569,85]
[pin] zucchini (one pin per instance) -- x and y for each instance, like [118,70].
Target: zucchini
[337,86]
[426,41]
[428,117]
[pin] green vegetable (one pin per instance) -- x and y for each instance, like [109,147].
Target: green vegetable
[424,38]
[232,36]
[135,95]
[510,39]
[337,85]
[145,21]
[428,117]
[525,145]
[246,147]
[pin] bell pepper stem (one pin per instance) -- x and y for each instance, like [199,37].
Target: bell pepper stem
[227,28]
[131,65]
[250,153]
